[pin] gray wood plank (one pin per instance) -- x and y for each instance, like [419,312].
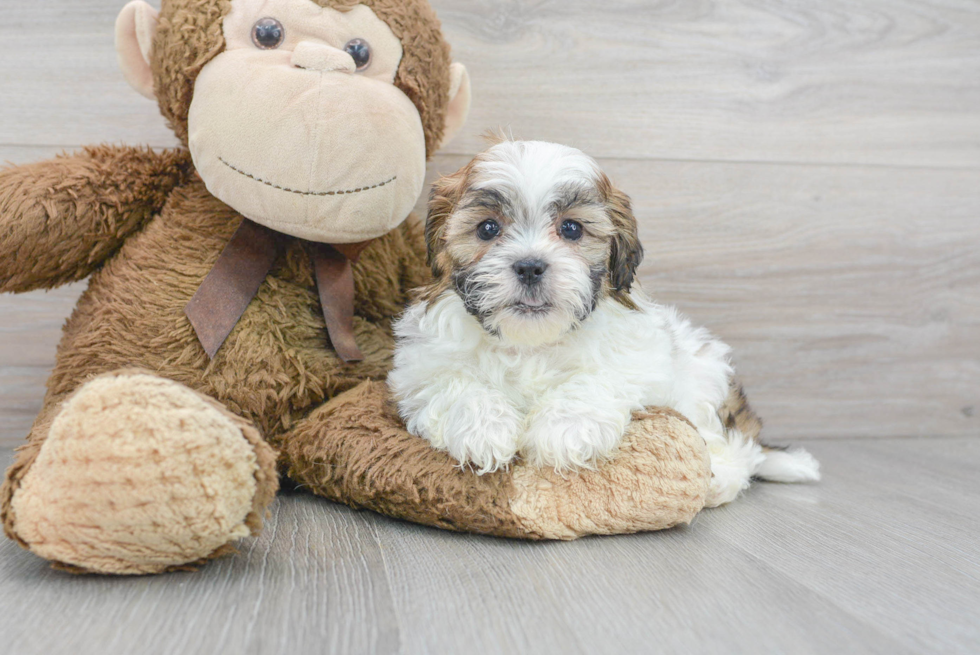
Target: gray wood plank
[883,82]
[851,296]
[879,557]
[672,592]
[890,536]
[61,81]
[30,328]
[14,155]
[738,81]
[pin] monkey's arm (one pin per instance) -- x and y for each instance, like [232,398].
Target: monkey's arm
[63,218]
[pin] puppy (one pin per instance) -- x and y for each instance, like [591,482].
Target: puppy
[535,340]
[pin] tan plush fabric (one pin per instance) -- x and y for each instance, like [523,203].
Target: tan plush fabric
[330,193]
[276,371]
[424,71]
[140,474]
[660,479]
[135,28]
[461,93]
[282,136]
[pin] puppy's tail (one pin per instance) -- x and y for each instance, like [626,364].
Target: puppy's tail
[778,464]
[788,465]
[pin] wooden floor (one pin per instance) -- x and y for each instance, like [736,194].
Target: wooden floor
[881,557]
[807,180]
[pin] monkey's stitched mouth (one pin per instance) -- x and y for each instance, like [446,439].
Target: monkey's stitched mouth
[309,193]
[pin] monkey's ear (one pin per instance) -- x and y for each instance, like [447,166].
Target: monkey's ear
[460,96]
[135,27]
[626,251]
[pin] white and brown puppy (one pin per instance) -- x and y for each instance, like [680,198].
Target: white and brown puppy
[534,339]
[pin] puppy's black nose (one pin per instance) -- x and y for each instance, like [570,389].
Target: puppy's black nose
[530,270]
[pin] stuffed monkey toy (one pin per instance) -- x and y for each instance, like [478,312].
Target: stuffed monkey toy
[237,322]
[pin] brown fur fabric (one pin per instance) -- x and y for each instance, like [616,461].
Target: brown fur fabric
[189,36]
[274,366]
[76,211]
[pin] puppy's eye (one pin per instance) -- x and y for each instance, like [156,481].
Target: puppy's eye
[268,34]
[571,230]
[488,230]
[360,52]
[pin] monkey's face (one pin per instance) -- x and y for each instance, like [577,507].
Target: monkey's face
[297,124]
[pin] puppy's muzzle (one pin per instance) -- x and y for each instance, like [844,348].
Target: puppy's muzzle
[530,271]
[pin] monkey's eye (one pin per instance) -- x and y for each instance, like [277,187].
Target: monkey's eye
[571,230]
[487,230]
[360,51]
[268,34]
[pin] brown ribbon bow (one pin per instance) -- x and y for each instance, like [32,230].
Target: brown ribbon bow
[244,264]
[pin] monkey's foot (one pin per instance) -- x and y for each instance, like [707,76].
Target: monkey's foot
[140,474]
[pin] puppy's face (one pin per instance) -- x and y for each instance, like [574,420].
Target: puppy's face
[531,236]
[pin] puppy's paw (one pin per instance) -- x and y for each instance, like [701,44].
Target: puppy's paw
[478,430]
[569,439]
[482,433]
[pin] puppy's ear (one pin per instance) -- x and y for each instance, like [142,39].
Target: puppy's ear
[625,251]
[443,199]
[497,135]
